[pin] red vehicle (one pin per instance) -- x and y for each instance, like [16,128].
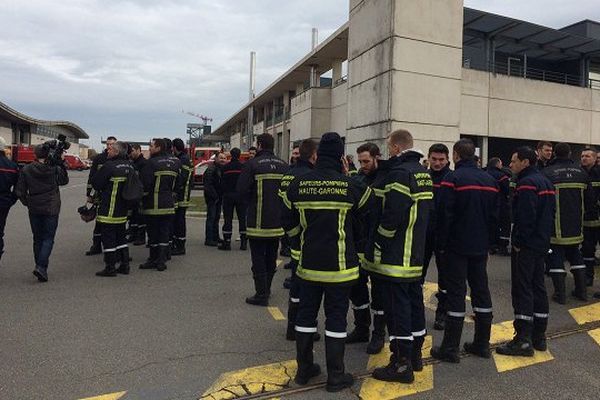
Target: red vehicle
[21,154]
[201,167]
[74,162]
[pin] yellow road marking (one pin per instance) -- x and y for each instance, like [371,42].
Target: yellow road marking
[502,332]
[508,363]
[373,389]
[111,396]
[276,313]
[249,381]
[279,262]
[595,334]
[586,314]
[429,291]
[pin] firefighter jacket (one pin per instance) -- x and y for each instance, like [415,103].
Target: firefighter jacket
[396,244]
[533,211]
[97,164]
[9,175]
[109,182]
[591,218]
[230,174]
[321,206]
[160,179]
[361,225]
[436,177]
[184,186]
[259,183]
[299,169]
[467,210]
[139,163]
[571,184]
[502,178]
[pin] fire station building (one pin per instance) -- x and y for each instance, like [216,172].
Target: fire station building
[440,70]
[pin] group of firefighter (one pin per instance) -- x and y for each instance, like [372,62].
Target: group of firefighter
[365,238]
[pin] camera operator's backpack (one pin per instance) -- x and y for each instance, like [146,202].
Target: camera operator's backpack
[133,190]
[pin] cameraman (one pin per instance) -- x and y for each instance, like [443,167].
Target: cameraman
[37,189]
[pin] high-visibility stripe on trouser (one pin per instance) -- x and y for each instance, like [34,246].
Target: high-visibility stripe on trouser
[306,329]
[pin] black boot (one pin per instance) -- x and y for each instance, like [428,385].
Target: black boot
[337,378]
[521,344]
[362,324]
[166,252]
[178,247]
[151,260]
[270,276]
[123,257]
[580,291]
[109,265]
[243,242]
[417,355]
[163,256]
[480,346]
[589,273]
[261,297]
[400,367]
[558,280]
[287,283]
[96,247]
[440,311]
[307,368]
[449,350]
[140,237]
[291,325]
[225,245]
[378,337]
[538,337]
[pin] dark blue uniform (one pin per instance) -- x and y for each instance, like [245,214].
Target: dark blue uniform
[232,201]
[502,238]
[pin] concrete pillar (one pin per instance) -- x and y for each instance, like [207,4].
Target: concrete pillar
[315,76]
[337,71]
[402,72]
[265,114]
[299,88]
[285,136]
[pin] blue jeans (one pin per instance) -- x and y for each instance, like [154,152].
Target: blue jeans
[213,214]
[44,229]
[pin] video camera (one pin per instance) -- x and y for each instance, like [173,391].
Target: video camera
[56,148]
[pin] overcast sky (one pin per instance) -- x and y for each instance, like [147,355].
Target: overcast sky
[129,68]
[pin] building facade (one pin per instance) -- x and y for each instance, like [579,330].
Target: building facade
[440,70]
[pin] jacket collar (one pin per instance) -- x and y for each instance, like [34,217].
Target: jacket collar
[264,152]
[329,163]
[441,172]
[406,155]
[527,171]
[466,164]
[301,163]
[561,161]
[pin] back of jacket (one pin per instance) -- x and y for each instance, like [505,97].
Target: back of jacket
[159,177]
[9,175]
[109,182]
[572,198]
[139,163]
[230,174]
[259,184]
[397,240]
[97,164]
[468,214]
[186,175]
[437,177]
[591,217]
[38,187]
[212,182]
[321,207]
[533,211]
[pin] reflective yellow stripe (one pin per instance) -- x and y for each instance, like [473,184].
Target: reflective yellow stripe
[342,239]
[570,185]
[286,201]
[346,275]
[295,254]
[113,196]
[406,191]
[295,231]
[165,173]
[269,176]
[595,184]
[187,168]
[408,241]
[265,233]
[591,224]
[162,211]
[304,224]
[365,197]
[322,205]
[259,200]
[156,191]
[385,233]
[111,220]
[567,241]
[394,271]
[557,217]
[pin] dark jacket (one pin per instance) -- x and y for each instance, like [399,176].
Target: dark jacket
[591,217]
[186,176]
[533,211]
[572,199]
[259,183]
[109,182]
[321,206]
[467,210]
[396,245]
[212,182]
[436,177]
[38,190]
[9,175]
[230,174]
[300,168]
[139,163]
[362,225]
[160,179]
[97,164]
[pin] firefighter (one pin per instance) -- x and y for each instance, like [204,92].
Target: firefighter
[159,177]
[502,177]
[92,196]
[307,158]
[394,255]
[183,197]
[439,166]
[369,159]
[259,183]
[112,210]
[466,221]
[138,222]
[231,201]
[572,199]
[321,207]
[591,222]
[544,153]
[533,212]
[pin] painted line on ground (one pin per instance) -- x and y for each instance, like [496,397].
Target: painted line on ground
[595,334]
[586,314]
[110,396]
[276,313]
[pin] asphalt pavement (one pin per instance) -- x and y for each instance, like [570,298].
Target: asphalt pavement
[173,334]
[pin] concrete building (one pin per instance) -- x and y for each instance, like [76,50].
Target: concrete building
[441,71]
[20,129]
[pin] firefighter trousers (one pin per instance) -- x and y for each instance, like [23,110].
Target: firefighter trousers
[113,239]
[591,237]
[528,290]
[560,254]
[159,229]
[359,295]
[229,205]
[472,269]
[404,309]
[335,305]
[179,224]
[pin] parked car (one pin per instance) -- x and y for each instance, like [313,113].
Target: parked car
[74,162]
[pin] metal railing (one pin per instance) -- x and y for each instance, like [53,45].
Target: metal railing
[594,84]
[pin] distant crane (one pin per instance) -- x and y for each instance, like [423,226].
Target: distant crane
[201,117]
[196,131]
